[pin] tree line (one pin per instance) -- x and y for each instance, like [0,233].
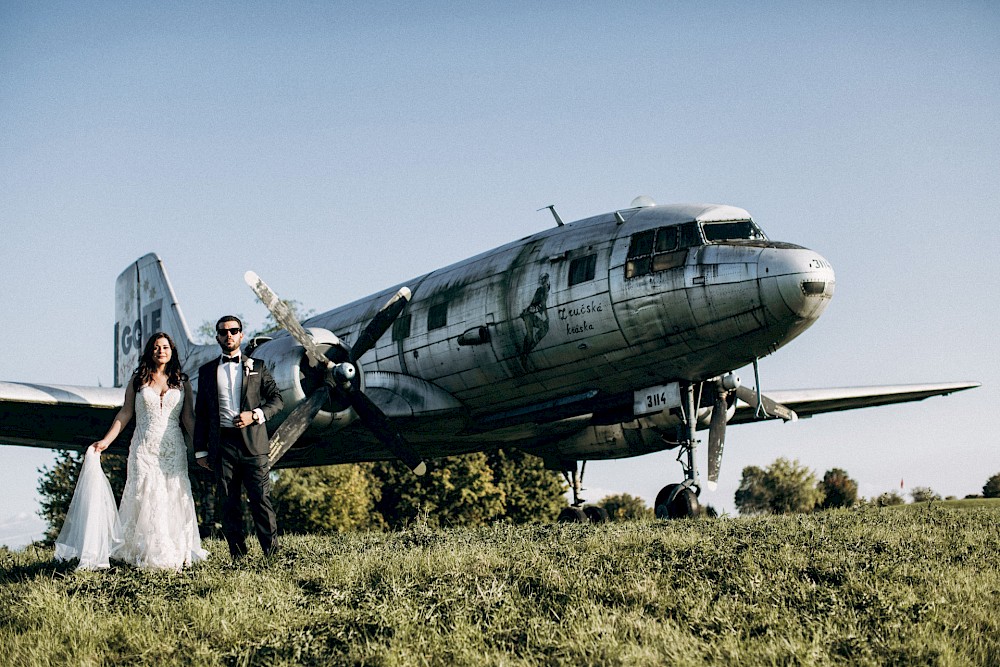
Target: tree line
[787,487]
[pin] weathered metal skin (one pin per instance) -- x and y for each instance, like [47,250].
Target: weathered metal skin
[721,307]
[538,343]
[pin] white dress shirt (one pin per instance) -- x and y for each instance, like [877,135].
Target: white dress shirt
[229,380]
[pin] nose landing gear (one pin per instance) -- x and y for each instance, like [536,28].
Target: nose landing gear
[678,501]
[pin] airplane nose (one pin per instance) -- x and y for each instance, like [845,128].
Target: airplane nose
[795,282]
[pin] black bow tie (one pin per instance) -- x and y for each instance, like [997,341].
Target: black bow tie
[226,360]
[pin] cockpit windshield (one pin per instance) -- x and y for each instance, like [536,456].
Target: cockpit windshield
[736,230]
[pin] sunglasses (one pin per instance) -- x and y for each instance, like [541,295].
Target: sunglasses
[231,330]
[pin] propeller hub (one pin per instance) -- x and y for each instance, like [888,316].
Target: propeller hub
[730,382]
[344,374]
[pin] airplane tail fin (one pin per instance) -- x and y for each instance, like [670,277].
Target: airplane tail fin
[145,304]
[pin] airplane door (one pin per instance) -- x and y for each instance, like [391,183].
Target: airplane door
[445,336]
[475,343]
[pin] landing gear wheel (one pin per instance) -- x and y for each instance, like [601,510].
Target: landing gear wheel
[660,504]
[596,514]
[573,515]
[684,505]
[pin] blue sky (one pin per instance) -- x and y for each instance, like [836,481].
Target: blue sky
[337,149]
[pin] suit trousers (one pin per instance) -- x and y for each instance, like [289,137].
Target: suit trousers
[239,469]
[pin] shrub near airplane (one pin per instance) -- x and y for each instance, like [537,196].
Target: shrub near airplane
[609,337]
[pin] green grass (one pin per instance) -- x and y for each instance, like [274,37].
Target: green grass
[851,587]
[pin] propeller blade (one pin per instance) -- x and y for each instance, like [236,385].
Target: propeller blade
[375,419]
[383,319]
[296,424]
[774,409]
[716,439]
[284,316]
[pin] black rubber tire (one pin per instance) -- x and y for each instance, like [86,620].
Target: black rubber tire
[596,514]
[660,504]
[685,505]
[572,515]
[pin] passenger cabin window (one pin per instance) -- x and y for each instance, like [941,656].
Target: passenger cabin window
[737,230]
[401,328]
[582,269]
[660,249]
[437,316]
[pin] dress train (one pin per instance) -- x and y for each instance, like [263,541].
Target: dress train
[91,529]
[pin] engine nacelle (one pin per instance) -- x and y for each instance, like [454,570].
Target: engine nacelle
[611,441]
[297,379]
[646,434]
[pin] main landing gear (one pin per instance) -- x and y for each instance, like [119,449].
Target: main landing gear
[576,512]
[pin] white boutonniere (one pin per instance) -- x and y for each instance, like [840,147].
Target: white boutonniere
[247,366]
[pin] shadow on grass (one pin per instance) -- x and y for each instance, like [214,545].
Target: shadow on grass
[14,572]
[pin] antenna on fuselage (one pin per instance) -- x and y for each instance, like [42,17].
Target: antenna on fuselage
[552,207]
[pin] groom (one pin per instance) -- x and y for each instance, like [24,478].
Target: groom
[236,395]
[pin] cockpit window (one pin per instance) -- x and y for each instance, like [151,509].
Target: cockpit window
[666,239]
[642,243]
[738,230]
[660,249]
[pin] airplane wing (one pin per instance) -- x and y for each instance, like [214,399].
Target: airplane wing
[72,417]
[809,402]
[58,416]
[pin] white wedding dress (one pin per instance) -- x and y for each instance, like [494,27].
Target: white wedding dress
[159,528]
[156,526]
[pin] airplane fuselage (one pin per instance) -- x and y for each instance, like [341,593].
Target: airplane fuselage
[534,340]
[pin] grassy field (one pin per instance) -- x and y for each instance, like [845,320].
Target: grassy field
[853,587]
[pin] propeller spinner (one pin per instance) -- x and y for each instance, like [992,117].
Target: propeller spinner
[341,378]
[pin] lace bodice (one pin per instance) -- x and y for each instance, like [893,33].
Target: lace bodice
[158,438]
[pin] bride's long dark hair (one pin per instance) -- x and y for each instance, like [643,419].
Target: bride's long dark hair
[147,366]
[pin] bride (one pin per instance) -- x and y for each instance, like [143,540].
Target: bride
[158,526]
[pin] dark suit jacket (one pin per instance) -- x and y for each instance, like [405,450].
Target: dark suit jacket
[259,391]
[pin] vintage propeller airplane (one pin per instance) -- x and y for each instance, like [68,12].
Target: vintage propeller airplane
[608,337]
